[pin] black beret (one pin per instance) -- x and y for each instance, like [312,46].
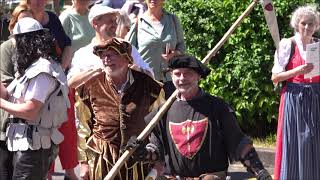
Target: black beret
[187,61]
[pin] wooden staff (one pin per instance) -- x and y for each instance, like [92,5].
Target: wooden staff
[125,156]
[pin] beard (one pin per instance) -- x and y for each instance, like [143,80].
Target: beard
[186,88]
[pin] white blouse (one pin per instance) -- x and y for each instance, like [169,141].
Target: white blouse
[281,59]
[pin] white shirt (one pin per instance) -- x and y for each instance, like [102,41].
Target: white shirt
[38,88]
[84,59]
[281,59]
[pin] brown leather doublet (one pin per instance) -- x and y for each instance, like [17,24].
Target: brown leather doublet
[116,117]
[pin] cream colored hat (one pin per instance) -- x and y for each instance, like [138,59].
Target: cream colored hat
[98,9]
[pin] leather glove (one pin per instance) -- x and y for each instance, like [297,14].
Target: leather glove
[141,152]
[263,175]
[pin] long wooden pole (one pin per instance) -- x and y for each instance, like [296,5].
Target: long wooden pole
[125,156]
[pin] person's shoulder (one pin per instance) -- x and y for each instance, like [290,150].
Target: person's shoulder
[65,14]
[95,79]
[170,14]
[86,50]
[52,15]
[8,44]
[143,77]
[286,41]
[217,102]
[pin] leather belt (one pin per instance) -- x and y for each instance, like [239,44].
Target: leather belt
[221,175]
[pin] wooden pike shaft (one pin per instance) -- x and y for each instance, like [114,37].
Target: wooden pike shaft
[229,32]
[125,156]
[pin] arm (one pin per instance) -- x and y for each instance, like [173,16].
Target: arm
[180,47]
[282,58]
[140,62]
[250,159]
[6,65]
[3,92]
[38,90]
[62,38]
[153,151]
[66,23]
[81,77]
[67,51]
[83,115]
[28,110]
[66,57]
[282,76]
[240,146]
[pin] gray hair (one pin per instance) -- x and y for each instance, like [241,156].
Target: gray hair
[123,21]
[308,10]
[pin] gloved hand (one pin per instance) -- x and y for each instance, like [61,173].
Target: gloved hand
[263,175]
[141,152]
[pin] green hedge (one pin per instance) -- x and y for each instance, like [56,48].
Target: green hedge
[241,70]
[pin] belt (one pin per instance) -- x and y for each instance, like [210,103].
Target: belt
[221,175]
[16,120]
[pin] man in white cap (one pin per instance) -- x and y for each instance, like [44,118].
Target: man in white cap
[37,101]
[84,63]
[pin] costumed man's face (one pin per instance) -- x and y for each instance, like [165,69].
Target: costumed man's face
[307,26]
[114,63]
[106,25]
[185,80]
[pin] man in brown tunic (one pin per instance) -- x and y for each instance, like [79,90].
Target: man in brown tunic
[118,98]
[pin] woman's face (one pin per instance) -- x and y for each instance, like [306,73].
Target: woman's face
[82,3]
[37,5]
[306,26]
[153,4]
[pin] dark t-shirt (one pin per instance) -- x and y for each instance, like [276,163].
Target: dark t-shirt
[55,27]
[197,136]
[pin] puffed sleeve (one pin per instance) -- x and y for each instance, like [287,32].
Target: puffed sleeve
[83,114]
[180,37]
[281,59]
[66,23]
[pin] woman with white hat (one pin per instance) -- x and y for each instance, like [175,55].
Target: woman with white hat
[33,99]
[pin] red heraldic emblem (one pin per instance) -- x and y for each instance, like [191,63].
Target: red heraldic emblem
[189,136]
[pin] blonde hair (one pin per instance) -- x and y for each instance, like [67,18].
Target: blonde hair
[309,10]
[16,13]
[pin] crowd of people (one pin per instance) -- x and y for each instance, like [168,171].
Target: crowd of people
[83,83]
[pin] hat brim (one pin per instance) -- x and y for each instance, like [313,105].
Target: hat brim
[44,29]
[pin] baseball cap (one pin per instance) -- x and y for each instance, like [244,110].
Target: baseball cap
[26,25]
[98,9]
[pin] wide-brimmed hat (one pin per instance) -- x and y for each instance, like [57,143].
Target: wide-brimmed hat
[187,61]
[121,46]
[98,10]
[27,25]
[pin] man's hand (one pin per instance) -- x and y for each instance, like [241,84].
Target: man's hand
[140,153]
[305,68]
[264,175]
[84,171]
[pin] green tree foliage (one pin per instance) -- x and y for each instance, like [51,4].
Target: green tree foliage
[241,70]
